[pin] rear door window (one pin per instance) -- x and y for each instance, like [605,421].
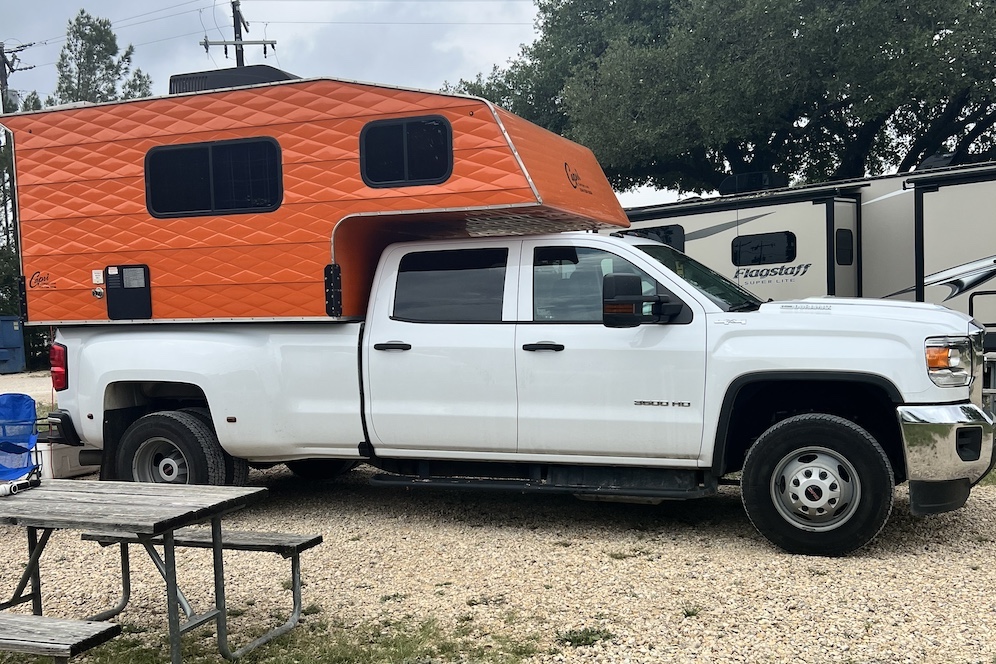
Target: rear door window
[458,286]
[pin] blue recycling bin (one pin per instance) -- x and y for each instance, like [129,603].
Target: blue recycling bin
[11,345]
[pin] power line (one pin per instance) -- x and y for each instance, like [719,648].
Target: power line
[117,23]
[239,22]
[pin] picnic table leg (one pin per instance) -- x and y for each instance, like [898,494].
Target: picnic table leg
[219,589]
[172,602]
[35,549]
[36,601]
[125,588]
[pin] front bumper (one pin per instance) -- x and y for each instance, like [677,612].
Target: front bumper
[946,442]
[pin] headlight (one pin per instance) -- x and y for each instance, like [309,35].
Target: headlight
[949,361]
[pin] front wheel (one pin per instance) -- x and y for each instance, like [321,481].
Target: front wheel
[817,484]
[172,447]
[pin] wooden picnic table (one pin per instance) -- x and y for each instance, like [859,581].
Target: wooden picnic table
[147,510]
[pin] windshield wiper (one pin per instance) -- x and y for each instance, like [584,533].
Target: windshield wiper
[745,306]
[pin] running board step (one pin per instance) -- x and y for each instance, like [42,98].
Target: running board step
[528,486]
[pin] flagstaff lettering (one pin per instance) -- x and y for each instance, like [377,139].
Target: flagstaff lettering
[752,276]
[762,273]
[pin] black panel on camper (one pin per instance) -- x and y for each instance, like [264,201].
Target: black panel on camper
[129,292]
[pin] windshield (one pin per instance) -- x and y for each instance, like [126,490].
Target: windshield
[727,295]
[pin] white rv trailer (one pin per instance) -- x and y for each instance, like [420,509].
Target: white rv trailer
[928,236]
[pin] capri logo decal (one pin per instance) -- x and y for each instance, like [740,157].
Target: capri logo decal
[41,280]
[575,179]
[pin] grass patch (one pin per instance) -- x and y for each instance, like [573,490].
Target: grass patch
[487,600]
[393,597]
[587,636]
[691,611]
[320,643]
[989,480]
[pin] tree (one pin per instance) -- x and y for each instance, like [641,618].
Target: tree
[683,93]
[32,102]
[90,68]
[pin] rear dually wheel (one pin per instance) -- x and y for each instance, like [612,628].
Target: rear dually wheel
[172,447]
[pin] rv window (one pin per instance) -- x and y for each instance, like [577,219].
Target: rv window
[224,177]
[411,151]
[764,249]
[672,235]
[463,286]
[844,240]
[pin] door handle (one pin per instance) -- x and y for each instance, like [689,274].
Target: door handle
[544,345]
[393,345]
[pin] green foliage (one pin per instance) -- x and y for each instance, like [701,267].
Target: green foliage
[10,270]
[90,67]
[588,636]
[314,643]
[682,93]
[32,102]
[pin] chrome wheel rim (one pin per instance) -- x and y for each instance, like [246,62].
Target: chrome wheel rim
[815,489]
[160,460]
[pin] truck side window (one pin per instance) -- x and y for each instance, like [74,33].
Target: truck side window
[764,249]
[220,177]
[567,283]
[459,286]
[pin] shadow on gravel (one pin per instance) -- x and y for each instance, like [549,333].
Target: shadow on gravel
[714,521]
[718,517]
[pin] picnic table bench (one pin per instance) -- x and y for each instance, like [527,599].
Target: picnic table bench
[148,511]
[55,637]
[288,545]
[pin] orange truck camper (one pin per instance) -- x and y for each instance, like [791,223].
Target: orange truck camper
[273,201]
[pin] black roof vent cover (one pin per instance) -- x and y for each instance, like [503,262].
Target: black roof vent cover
[747,182]
[234,77]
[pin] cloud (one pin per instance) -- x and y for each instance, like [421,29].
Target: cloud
[409,43]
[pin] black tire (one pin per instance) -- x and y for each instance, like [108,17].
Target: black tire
[320,469]
[236,469]
[171,447]
[843,485]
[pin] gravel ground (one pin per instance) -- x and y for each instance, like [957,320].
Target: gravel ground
[680,582]
[37,384]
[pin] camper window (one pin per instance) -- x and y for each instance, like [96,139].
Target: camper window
[462,286]
[406,152]
[844,246]
[764,249]
[222,177]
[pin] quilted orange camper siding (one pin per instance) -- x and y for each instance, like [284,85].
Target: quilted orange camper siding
[81,197]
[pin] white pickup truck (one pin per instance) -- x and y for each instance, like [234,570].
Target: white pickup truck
[605,367]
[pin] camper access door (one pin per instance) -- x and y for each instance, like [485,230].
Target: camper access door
[955,241]
[779,248]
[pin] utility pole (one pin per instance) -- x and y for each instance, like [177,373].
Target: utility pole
[8,65]
[240,22]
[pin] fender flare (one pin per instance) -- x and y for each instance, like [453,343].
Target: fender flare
[739,383]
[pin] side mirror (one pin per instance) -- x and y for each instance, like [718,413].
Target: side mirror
[623,302]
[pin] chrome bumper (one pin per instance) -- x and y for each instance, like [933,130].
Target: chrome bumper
[946,442]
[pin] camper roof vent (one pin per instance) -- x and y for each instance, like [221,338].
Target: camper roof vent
[234,77]
[936,160]
[745,182]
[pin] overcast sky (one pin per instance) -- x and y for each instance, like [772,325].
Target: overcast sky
[411,43]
